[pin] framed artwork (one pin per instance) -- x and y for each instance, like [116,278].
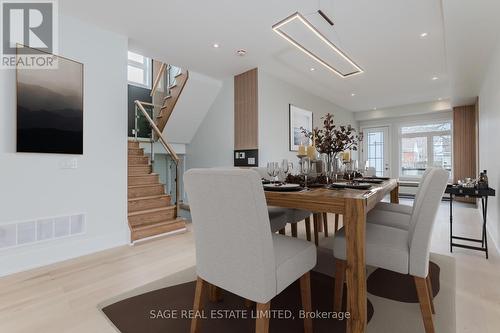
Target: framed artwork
[50,108]
[299,118]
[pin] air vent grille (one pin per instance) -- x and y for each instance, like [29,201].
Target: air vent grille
[41,230]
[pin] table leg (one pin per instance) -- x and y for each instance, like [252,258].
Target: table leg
[316,223]
[485,213]
[451,222]
[395,195]
[355,229]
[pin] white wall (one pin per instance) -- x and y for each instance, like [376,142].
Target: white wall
[274,97]
[34,185]
[213,143]
[193,104]
[489,123]
[395,122]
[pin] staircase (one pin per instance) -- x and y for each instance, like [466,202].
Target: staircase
[175,87]
[150,211]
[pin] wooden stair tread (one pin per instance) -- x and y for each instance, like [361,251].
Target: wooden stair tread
[154,210]
[148,174]
[150,197]
[145,185]
[157,224]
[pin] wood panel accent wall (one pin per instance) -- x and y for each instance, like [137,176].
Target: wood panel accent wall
[465,140]
[246,126]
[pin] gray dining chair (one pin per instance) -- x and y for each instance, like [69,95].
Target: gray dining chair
[235,248]
[398,250]
[395,215]
[279,217]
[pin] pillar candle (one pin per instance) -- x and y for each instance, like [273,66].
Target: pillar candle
[302,150]
[311,152]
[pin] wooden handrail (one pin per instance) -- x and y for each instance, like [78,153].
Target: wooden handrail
[158,78]
[162,140]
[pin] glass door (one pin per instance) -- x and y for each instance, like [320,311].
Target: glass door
[376,150]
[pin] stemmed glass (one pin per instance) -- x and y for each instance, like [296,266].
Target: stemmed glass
[285,169]
[272,170]
[355,168]
[306,168]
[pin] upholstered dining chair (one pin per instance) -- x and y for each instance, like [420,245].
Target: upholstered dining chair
[396,215]
[280,217]
[401,251]
[235,248]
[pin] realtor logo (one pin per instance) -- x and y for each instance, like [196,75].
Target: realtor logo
[28,23]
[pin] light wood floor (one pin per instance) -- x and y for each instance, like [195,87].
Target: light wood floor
[63,297]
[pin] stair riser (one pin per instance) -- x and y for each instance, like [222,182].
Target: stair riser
[157,230]
[136,152]
[146,191]
[138,160]
[133,144]
[148,218]
[144,204]
[139,170]
[143,180]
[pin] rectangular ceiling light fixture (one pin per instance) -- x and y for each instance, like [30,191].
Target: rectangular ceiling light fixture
[303,35]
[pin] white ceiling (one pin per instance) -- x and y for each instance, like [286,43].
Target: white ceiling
[381,36]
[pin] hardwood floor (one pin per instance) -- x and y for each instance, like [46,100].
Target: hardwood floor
[63,297]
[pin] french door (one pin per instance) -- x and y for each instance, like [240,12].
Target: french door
[376,150]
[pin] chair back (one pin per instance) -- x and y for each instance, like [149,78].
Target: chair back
[425,208]
[422,180]
[234,246]
[262,172]
[370,172]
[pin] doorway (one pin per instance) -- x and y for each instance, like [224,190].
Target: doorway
[376,150]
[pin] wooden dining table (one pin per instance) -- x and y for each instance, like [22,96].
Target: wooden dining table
[353,204]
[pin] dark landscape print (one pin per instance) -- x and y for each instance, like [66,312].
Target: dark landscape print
[50,109]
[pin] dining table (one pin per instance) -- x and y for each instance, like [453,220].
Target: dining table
[353,204]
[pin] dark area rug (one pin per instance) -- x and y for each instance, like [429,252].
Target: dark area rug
[146,313]
[400,287]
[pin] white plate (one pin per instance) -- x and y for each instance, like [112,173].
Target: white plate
[282,187]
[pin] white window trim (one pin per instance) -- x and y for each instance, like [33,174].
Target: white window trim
[417,123]
[147,69]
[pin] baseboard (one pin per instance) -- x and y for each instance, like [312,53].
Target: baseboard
[494,241]
[22,259]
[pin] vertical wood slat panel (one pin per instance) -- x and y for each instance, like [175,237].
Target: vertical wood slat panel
[246,110]
[464,144]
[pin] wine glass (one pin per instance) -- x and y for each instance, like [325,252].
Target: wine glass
[271,170]
[306,168]
[355,168]
[285,168]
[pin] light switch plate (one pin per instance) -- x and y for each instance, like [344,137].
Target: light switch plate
[71,163]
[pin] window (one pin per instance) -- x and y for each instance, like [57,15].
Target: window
[424,146]
[139,70]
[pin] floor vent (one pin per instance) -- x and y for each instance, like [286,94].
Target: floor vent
[41,230]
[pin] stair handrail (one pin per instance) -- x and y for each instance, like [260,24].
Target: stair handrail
[158,78]
[162,140]
[168,148]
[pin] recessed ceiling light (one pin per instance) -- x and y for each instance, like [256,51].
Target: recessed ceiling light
[353,94]
[312,69]
[374,109]
[424,34]
[216,45]
[434,78]
[241,52]
[440,99]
